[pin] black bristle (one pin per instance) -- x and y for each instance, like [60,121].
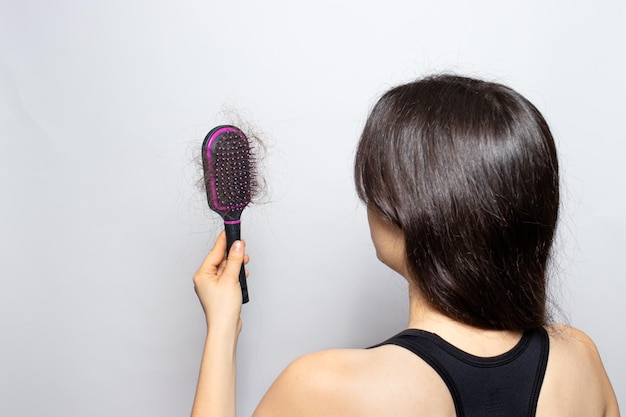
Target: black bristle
[232,170]
[229,169]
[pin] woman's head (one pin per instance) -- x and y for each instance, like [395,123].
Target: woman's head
[467,170]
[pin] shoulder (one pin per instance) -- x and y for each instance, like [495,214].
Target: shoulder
[575,371]
[313,385]
[318,384]
[349,382]
[569,345]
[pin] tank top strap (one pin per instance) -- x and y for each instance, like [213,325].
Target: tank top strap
[506,385]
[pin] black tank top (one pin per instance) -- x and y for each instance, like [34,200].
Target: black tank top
[507,385]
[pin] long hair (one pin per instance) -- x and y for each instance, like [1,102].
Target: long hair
[467,169]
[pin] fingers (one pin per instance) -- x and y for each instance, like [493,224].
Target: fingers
[214,259]
[215,264]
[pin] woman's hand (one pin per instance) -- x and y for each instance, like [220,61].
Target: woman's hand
[217,285]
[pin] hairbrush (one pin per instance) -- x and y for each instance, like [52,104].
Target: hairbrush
[229,179]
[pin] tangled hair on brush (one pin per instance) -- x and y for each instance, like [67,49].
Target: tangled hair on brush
[258,148]
[468,170]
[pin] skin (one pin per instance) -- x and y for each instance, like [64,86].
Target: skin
[388,380]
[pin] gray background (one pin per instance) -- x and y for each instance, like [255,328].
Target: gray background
[103,106]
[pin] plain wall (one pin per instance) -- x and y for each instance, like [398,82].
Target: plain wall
[104,105]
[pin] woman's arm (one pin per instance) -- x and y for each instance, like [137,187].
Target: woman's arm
[217,286]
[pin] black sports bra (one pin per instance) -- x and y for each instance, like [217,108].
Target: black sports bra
[506,385]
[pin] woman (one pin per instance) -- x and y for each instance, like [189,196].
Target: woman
[460,179]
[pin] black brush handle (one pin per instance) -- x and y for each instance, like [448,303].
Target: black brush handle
[233,233]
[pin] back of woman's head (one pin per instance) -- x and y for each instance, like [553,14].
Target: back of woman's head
[467,169]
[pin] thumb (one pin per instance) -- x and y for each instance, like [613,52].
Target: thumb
[234,259]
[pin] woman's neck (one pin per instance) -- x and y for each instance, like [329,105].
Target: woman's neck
[473,340]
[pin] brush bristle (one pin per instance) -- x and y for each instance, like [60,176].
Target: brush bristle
[229,169]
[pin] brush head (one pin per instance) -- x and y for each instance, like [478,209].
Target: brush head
[228,171]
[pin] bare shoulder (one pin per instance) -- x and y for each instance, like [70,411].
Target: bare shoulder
[313,385]
[575,373]
[351,382]
[570,346]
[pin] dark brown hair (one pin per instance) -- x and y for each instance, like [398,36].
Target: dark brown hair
[467,169]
